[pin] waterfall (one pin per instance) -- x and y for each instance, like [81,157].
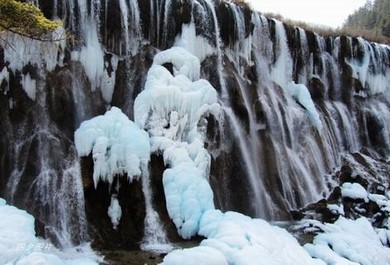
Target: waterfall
[155,238]
[55,195]
[268,157]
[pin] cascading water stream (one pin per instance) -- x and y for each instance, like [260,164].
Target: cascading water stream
[281,72]
[155,238]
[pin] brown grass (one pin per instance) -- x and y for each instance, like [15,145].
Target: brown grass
[330,32]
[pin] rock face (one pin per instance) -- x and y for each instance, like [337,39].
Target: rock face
[360,193]
[267,157]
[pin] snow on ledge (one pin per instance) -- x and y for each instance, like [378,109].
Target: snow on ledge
[354,191]
[349,242]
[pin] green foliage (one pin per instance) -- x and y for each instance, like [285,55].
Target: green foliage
[25,19]
[373,16]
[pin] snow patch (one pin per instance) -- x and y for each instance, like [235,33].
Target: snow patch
[336,209]
[244,240]
[349,242]
[195,256]
[19,246]
[354,191]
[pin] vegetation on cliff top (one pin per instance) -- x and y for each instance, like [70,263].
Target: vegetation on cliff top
[374,17]
[371,21]
[26,19]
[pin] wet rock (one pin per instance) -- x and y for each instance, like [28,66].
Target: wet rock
[316,89]
[157,169]
[346,175]
[320,211]
[131,227]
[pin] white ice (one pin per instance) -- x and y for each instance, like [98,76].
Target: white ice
[196,45]
[368,70]
[336,209]
[117,145]
[281,74]
[91,55]
[348,242]
[20,246]
[24,51]
[195,256]
[172,108]
[188,195]
[243,241]
[302,95]
[29,86]
[354,191]
[114,211]
[4,77]
[184,63]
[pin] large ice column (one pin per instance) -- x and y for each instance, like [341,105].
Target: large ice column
[172,109]
[117,145]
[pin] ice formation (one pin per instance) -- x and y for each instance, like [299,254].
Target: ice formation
[20,246]
[171,109]
[114,211]
[91,53]
[26,51]
[196,45]
[369,70]
[349,242]
[4,77]
[29,86]
[301,94]
[281,74]
[244,240]
[117,145]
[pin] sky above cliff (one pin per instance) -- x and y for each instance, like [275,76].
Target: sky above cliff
[330,13]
